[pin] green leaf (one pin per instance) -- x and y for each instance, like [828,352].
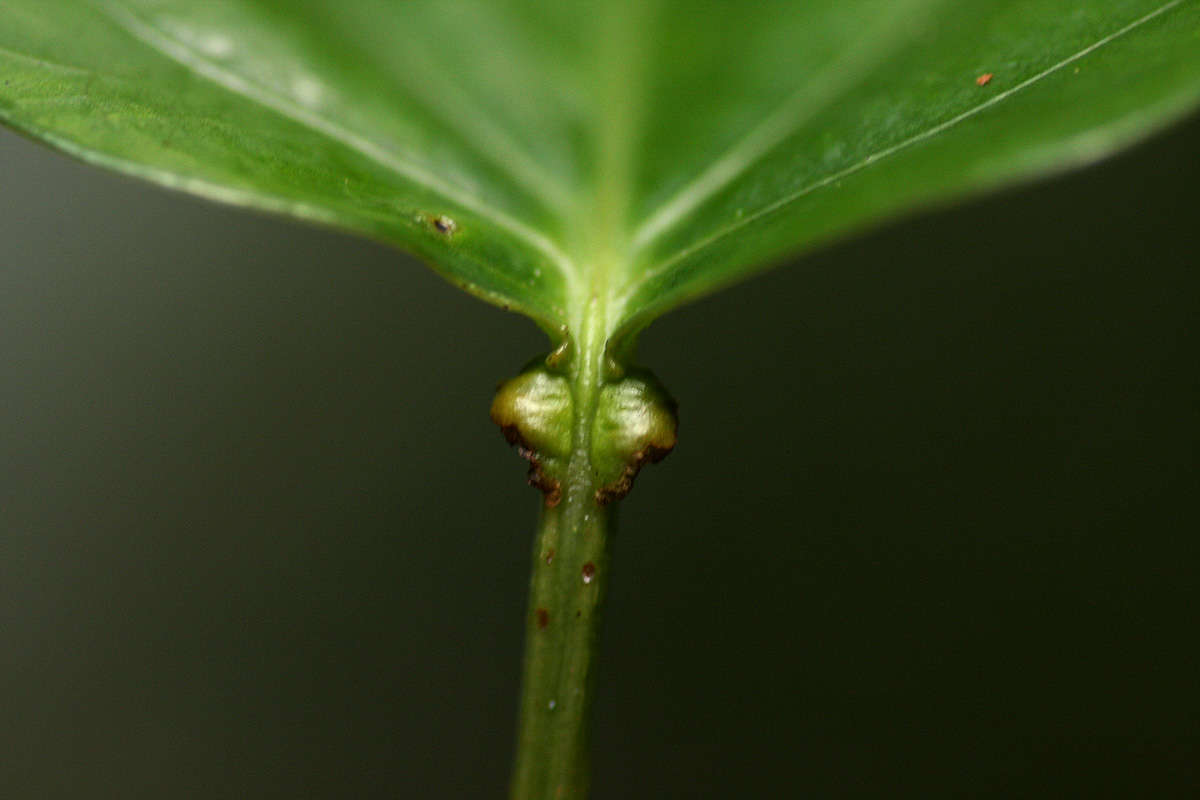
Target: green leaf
[594,164]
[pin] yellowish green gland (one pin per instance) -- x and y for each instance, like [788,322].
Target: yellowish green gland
[634,423]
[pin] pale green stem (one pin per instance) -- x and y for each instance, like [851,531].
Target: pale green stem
[570,572]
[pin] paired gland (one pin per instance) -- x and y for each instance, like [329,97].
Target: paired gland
[633,424]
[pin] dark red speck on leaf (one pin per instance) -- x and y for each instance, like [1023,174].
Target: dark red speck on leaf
[589,572]
[543,618]
[984,79]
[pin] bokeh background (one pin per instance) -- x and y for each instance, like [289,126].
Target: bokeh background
[932,526]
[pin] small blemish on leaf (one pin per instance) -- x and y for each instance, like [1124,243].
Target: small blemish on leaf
[589,572]
[984,79]
[441,223]
[543,618]
[550,556]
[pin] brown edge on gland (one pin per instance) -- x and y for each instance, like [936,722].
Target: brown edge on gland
[650,454]
[550,487]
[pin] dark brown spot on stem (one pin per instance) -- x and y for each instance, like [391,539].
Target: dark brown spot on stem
[543,618]
[589,572]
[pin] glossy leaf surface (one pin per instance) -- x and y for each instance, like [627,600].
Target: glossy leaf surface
[622,157]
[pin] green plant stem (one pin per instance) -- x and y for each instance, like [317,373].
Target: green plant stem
[569,575]
[570,571]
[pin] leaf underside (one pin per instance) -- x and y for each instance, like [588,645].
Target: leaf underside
[551,156]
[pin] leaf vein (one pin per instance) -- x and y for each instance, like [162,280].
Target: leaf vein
[42,62]
[817,93]
[880,155]
[406,168]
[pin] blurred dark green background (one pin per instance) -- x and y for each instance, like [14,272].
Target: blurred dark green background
[931,527]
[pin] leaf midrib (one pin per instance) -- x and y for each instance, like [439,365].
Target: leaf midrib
[601,230]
